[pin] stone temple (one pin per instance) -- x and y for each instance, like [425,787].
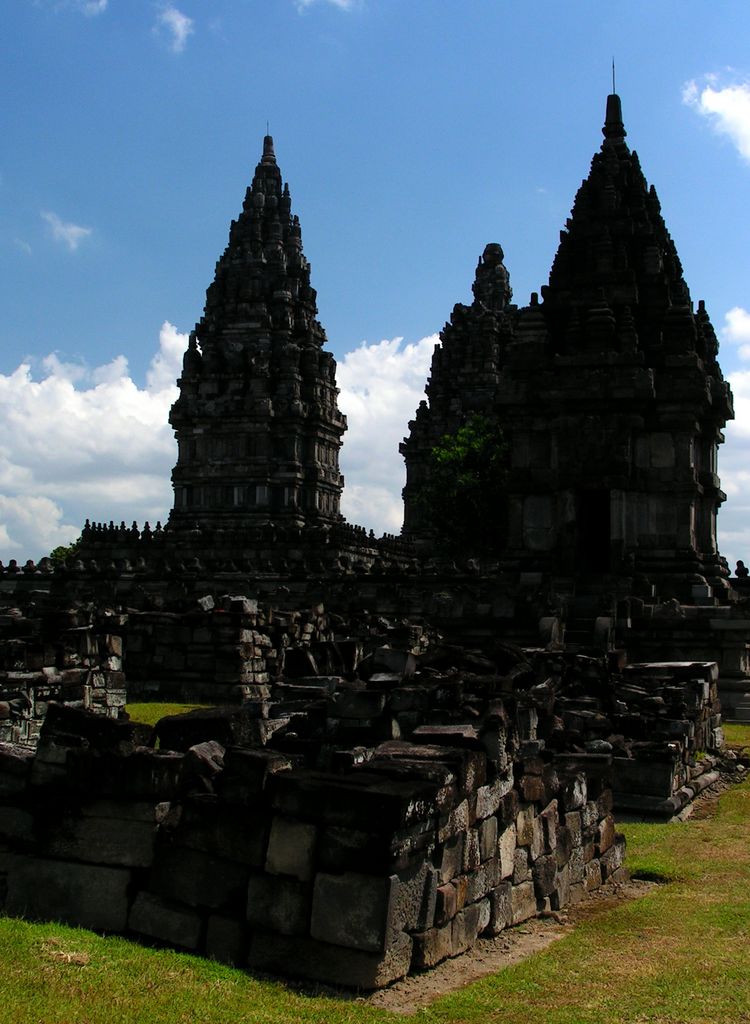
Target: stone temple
[407,745]
[608,392]
[257,425]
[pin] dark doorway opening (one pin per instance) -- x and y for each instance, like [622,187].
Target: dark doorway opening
[593,531]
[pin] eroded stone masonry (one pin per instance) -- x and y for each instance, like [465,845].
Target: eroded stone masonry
[411,742]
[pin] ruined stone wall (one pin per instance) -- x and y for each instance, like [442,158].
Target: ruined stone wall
[398,857]
[46,654]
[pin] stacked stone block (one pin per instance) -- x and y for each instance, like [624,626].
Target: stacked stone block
[47,655]
[399,856]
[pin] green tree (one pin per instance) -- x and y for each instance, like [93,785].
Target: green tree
[464,498]
[63,552]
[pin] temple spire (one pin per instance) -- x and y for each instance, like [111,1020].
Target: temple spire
[613,127]
[269,157]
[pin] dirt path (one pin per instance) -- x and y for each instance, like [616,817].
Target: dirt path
[489,956]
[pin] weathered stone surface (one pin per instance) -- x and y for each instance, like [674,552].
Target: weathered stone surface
[91,896]
[501,908]
[291,846]
[432,946]
[120,842]
[522,902]
[195,878]
[227,939]
[356,911]
[336,965]
[165,920]
[278,904]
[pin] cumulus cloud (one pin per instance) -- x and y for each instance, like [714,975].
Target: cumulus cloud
[381,386]
[177,25]
[727,109]
[80,442]
[736,330]
[64,231]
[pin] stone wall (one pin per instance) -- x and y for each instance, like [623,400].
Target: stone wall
[71,656]
[397,857]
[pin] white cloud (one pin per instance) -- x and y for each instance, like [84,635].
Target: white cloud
[177,25]
[381,386]
[92,7]
[62,231]
[82,442]
[736,330]
[734,470]
[343,5]
[726,108]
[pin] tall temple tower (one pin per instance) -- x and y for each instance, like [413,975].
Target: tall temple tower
[257,422]
[608,392]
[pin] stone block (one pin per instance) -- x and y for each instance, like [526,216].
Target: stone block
[501,912]
[17,825]
[590,815]
[122,842]
[544,872]
[521,870]
[506,845]
[165,920]
[612,859]
[224,832]
[532,788]
[489,797]
[484,915]
[415,898]
[472,853]
[80,894]
[457,822]
[560,896]
[432,946]
[525,826]
[446,903]
[335,965]
[564,846]
[353,910]
[488,838]
[465,928]
[196,878]
[227,940]
[573,825]
[549,819]
[574,792]
[291,846]
[278,904]
[592,876]
[451,857]
[605,835]
[536,847]
[522,902]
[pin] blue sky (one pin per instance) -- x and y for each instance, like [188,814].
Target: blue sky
[411,132]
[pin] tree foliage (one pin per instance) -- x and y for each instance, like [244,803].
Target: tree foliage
[61,554]
[464,496]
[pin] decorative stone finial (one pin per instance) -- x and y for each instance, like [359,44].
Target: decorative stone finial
[269,157]
[492,284]
[613,128]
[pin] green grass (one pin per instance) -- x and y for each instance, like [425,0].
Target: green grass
[149,714]
[736,733]
[680,955]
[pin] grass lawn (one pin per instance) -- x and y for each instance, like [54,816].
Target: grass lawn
[150,713]
[680,955]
